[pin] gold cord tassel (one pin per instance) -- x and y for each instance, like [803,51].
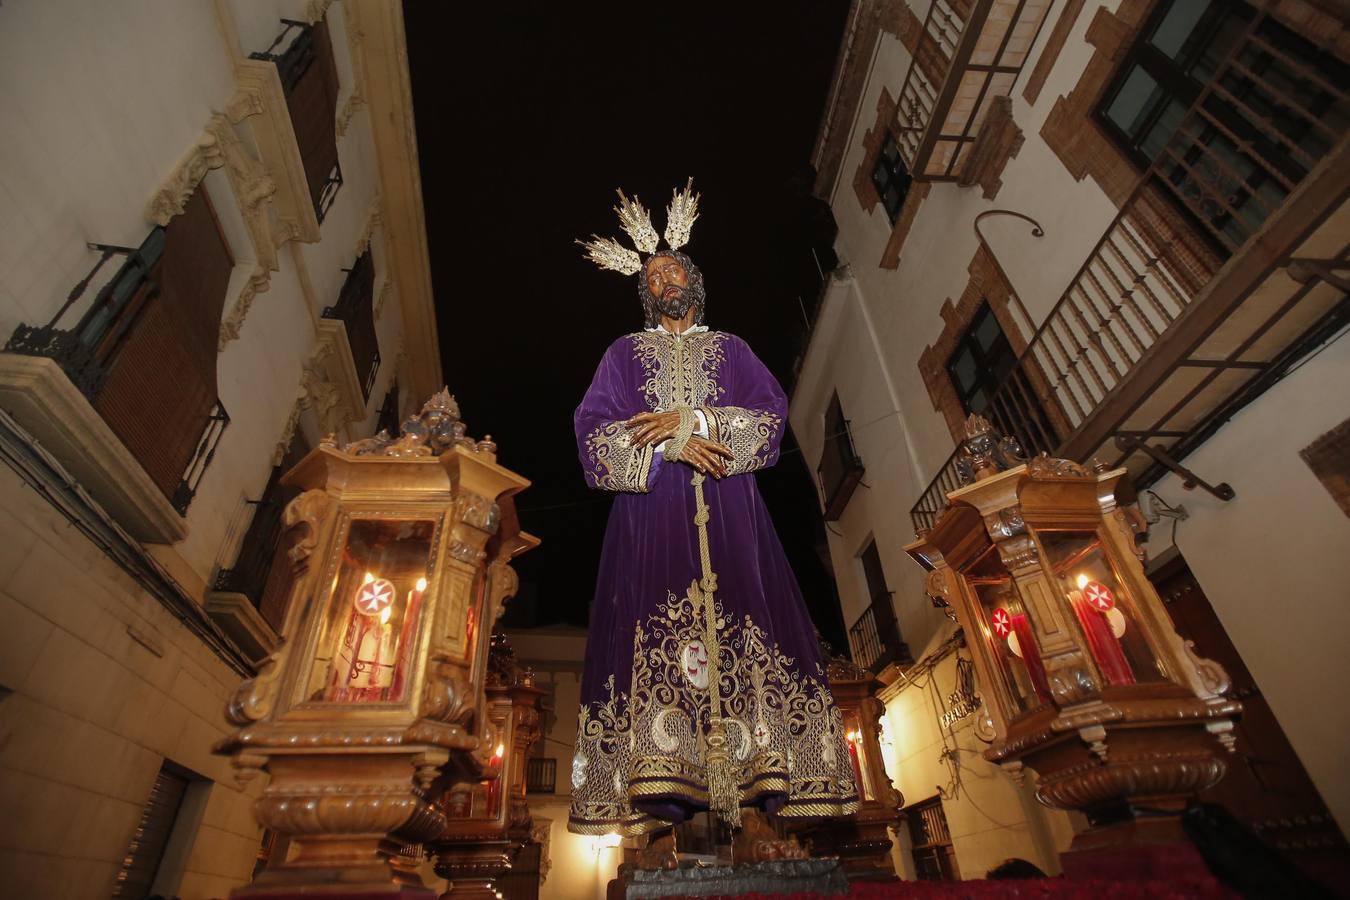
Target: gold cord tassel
[724,791]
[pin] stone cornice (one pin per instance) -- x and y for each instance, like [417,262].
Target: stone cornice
[380,57]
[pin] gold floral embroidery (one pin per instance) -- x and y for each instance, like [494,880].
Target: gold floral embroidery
[785,733]
[618,466]
[748,433]
[680,370]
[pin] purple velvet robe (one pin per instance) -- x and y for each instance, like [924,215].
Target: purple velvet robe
[654,671]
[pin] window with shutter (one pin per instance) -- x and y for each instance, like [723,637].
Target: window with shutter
[158,350]
[139,867]
[356,310]
[931,841]
[262,571]
[309,78]
[840,469]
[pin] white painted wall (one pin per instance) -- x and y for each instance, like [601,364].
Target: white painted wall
[1273,562]
[99,103]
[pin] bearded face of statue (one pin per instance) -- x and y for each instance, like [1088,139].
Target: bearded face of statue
[667,282]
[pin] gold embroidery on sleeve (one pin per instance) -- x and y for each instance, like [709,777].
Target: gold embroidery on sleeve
[618,465]
[748,433]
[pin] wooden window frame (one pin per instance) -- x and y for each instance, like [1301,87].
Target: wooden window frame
[840,470]
[889,171]
[942,852]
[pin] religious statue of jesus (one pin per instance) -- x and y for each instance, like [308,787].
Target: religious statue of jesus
[703,687]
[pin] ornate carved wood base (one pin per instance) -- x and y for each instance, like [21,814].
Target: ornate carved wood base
[472,867]
[339,813]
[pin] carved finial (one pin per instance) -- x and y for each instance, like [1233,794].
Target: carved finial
[985,452]
[442,401]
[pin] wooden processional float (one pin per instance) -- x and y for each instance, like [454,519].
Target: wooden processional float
[1084,679]
[400,549]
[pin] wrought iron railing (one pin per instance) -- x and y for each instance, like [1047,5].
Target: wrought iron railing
[875,636]
[355,309]
[293,62]
[216,423]
[84,351]
[253,566]
[541,775]
[1218,178]
[328,191]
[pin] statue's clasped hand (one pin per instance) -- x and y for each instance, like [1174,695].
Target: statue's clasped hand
[710,457]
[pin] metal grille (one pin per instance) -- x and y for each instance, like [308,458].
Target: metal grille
[141,863]
[541,775]
[875,636]
[931,841]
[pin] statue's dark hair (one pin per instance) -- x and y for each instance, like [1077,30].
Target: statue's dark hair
[696,288]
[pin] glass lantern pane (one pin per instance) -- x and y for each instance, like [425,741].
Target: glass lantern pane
[1103,608]
[1008,631]
[377,600]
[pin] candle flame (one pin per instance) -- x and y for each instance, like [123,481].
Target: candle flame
[370,576]
[385,614]
[421,585]
[1082,582]
[501,751]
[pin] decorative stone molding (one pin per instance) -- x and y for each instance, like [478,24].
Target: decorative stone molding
[253,188]
[329,380]
[40,397]
[258,282]
[999,140]
[379,47]
[386,291]
[172,197]
[350,107]
[315,10]
[260,103]
[288,431]
[356,96]
[368,230]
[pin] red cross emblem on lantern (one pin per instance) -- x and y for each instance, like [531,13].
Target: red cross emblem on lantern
[1002,622]
[374,596]
[1099,595]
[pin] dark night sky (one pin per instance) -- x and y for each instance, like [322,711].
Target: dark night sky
[528,117]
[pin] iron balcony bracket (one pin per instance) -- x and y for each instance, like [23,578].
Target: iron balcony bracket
[1190,480]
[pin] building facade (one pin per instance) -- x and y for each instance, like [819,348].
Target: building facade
[213,255]
[1118,231]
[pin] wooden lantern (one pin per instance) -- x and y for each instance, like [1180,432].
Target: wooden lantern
[400,549]
[1084,679]
[489,818]
[861,840]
